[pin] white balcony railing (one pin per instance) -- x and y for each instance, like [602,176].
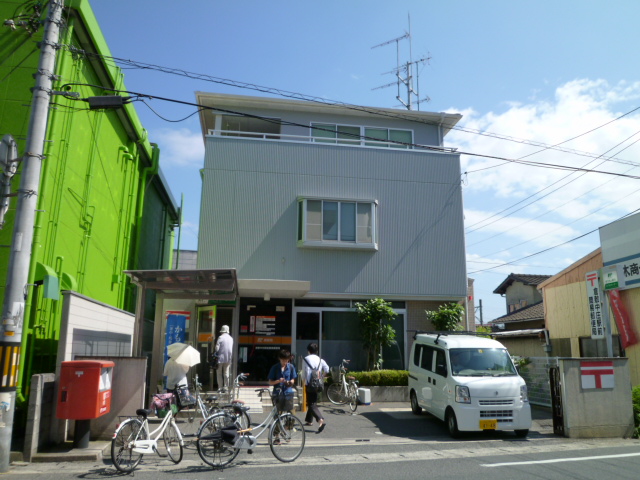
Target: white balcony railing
[356,142]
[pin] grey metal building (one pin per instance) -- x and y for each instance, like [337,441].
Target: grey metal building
[318,207]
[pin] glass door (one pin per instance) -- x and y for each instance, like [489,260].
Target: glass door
[307,331]
[204,343]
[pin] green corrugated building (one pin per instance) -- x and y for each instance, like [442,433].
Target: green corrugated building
[103,205]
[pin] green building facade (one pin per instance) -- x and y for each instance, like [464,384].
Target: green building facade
[103,205]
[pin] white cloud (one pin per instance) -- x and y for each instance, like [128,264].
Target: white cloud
[180,147]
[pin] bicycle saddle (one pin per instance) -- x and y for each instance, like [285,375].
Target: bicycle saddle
[144,412]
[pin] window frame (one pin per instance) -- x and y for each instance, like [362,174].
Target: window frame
[360,140]
[302,227]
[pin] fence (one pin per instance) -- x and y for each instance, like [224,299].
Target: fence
[536,374]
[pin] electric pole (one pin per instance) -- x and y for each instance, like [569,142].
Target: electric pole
[21,241]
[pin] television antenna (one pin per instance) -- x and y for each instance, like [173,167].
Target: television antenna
[404,73]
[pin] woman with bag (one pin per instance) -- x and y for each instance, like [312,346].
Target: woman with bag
[313,365]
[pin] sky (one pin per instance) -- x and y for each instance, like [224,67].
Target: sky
[554,84]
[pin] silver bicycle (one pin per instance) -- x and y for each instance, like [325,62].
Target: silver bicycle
[344,388]
[194,417]
[132,439]
[220,439]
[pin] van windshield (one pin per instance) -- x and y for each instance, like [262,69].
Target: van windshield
[481,362]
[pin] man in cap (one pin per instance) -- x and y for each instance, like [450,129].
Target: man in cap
[224,350]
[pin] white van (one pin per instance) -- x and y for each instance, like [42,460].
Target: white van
[468,381]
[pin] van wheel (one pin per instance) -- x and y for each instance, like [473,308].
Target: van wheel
[415,408]
[521,433]
[452,425]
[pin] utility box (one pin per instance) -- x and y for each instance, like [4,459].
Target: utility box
[594,397]
[364,396]
[84,391]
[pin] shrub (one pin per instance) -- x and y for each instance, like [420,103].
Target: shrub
[382,378]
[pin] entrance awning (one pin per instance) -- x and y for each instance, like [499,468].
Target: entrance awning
[217,284]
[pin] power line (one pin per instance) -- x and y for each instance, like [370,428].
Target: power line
[300,96]
[550,248]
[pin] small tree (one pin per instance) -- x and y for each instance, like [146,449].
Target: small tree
[375,321]
[447,318]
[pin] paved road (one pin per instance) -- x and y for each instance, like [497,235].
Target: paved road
[388,441]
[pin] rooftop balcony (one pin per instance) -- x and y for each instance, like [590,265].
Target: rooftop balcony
[355,142]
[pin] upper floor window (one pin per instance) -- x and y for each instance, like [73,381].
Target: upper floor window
[355,135]
[239,126]
[336,223]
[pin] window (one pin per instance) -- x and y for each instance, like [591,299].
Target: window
[336,223]
[239,126]
[355,135]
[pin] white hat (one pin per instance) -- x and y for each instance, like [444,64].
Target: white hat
[224,329]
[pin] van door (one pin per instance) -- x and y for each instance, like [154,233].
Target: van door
[440,396]
[420,370]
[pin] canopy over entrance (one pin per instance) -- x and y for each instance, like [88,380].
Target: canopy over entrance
[216,284]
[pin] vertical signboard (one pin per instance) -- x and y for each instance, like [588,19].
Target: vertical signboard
[594,295]
[625,327]
[176,327]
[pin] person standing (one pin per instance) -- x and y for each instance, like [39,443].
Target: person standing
[313,362]
[224,351]
[176,375]
[282,375]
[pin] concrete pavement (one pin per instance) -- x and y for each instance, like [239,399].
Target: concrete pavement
[378,423]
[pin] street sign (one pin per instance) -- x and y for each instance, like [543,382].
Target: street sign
[594,294]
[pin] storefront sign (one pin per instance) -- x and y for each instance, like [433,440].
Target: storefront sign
[176,327]
[595,305]
[610,277]
[628,335]
[597,374]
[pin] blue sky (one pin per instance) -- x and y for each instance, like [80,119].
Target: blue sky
[525,75]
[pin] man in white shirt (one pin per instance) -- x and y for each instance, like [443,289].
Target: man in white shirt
[313,361]
[224,350]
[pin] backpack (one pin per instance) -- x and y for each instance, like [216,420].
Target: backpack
[316,383]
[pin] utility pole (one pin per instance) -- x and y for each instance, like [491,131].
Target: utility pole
[21,242]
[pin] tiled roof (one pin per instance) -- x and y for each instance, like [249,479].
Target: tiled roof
[520,277]
[531,312]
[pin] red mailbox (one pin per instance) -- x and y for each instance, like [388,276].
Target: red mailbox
[85,389]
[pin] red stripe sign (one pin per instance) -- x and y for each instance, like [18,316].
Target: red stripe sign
[597,374]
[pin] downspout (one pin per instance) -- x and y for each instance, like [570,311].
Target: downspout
[148,171]
[123,235]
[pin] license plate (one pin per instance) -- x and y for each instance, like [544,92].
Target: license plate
[489,424]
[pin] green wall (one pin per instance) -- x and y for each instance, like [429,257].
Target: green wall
[102,206]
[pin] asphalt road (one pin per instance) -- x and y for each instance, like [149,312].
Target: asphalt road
[387,441]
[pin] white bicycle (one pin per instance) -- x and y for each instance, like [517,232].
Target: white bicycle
[132,439]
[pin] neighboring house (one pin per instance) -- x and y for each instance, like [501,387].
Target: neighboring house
[570,301]
[319,207]
[103,205]
[520,328]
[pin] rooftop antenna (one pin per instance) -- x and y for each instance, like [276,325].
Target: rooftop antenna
[404,73]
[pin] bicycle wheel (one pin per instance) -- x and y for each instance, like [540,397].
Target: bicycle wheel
[211,448]
[336,394]
[190,422]
[353,397]
[286,438]
[172,443]
[122,454]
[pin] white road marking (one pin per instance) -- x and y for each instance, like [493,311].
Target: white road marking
[560,460]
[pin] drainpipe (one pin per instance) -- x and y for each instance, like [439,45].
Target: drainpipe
[147,172]
[123,235]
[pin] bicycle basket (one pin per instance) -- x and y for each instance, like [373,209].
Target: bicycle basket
[185,399]
[162,403]
[283,401]
[335,373]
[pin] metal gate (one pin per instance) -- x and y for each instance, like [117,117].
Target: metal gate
[556,400]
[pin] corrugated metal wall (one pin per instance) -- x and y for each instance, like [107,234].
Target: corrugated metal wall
[249,216]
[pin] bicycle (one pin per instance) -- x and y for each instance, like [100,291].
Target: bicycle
[219,441]
[205,408]
[132,439]
[344,389]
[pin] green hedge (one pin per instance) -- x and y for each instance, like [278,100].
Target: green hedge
[635,397]
[382,378]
